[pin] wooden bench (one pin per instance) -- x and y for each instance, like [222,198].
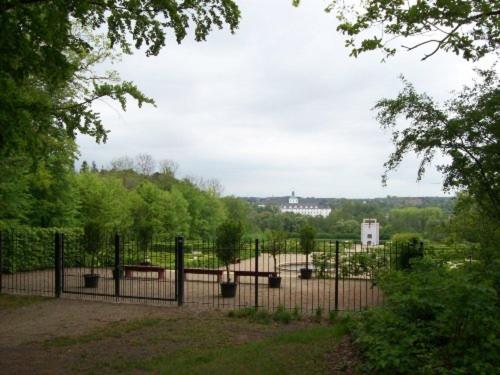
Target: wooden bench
[237,274]
[138,268]
[204,271]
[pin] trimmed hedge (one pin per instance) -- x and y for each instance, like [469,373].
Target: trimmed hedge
[30,249]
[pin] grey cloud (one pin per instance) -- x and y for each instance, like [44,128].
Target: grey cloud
[278,105]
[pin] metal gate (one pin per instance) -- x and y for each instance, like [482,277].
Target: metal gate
[120,268]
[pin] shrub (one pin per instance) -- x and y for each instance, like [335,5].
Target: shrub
[435,320]
[406,237]
[323,264]
[405,247]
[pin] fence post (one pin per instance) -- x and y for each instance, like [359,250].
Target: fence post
[1,260]
[336,275]
[58,242]
[179,269]
[256,303]
[117,270]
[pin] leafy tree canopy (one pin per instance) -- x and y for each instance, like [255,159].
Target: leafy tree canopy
[49,46]
[466,129]
[470,28]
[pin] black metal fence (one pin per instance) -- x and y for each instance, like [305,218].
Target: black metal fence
[337,275]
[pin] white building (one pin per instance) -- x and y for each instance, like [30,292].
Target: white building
[309,210]
[370,231]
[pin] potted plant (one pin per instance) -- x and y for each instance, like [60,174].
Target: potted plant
[307,244]
[92,236]
[228,239]
[276,245]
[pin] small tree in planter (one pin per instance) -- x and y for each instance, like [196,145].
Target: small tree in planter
[103,209]
[228,240]
[307,244]
[93,235]
[276,244]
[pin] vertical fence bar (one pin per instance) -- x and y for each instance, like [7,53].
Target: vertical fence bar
[336,275]
[117,270]
[1,259]
[63,245]
[58,242]
[256,294]
[179,262]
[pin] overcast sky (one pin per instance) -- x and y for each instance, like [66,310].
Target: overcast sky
[277,106]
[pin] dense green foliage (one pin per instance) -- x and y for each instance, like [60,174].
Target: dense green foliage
[133,199]
[436,320]
[467,28]
[466,130]
[45,51]
[33,249]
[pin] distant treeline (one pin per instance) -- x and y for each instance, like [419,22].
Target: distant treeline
[346,217]
[143,197]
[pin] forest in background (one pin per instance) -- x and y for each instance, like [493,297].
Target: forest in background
[144,197]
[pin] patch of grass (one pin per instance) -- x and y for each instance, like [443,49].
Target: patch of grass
[252,314]
[287,353]
[280,315]
[8,301]
[112,330]
[245,312]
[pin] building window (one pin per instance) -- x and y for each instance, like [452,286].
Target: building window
[369,235]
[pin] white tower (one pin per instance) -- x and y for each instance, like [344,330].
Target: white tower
[293,199]
[370,230]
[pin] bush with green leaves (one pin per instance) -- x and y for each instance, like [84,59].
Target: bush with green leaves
[435,320]
[406,237]
[405,247]
[324,264]
[228,241]
[30,249]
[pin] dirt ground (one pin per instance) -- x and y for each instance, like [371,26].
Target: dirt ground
[60,336]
